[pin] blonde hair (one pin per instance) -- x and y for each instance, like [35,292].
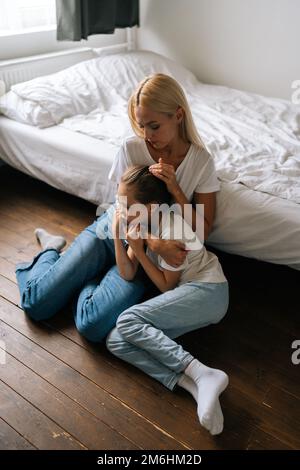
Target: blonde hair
[163,94]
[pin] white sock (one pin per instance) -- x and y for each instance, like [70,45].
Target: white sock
[210,384]
[49,241]
[190,386]
[218,420]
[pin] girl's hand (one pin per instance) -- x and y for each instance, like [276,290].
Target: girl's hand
[166,173]
[134,239]
[116,223]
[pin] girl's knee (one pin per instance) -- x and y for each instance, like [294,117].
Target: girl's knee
[125,320]
[114,341]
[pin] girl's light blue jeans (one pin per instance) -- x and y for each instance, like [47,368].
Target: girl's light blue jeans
[85,273]
[144,333]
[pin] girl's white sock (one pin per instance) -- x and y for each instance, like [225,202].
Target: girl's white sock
[206,387]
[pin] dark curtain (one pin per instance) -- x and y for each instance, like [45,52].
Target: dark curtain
[78,19]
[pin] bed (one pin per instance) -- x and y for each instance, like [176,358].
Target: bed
[68,160]
[69,141]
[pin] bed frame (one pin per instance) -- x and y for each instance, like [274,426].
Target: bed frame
[25,68]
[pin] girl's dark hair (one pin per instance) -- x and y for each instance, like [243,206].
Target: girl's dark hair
[147,187]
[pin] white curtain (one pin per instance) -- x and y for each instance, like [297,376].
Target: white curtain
[19,15]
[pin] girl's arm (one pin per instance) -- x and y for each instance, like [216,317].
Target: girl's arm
[164,280]
[126,260]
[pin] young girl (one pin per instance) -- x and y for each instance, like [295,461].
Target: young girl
[194,294]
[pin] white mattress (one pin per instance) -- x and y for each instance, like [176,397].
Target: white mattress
[248,222]
[70,161]
[257,225]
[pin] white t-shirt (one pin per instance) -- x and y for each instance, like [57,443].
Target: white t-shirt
[196,173]
[200,264]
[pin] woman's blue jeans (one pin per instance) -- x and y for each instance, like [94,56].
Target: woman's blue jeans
[85,273]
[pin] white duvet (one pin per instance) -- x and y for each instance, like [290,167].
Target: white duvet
[255,140]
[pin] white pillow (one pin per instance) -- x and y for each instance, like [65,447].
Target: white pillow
[74,90]
[2,88]
[124,71]
[26,111]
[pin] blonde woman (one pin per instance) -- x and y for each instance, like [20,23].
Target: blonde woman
[167,141]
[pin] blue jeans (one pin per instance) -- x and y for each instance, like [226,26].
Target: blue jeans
[87,274]
[144,333]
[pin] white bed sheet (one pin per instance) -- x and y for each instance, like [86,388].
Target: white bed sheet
[256,225]
[69,161]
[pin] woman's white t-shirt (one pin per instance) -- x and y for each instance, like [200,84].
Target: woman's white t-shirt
[196,173]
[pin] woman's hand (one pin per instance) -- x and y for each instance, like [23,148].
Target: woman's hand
[166,173]
[172,251]
[134,240]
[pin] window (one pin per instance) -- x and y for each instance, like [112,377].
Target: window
[18,16]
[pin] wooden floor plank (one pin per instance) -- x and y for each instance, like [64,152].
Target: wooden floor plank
[85,393]
[69,415]
[7,269]
[11,440]
[261,441]
[33,425]
[9,290]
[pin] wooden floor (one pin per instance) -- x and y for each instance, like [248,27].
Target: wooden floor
[59,392]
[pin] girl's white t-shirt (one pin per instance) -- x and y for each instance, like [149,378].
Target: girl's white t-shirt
[196,173]
[200,265]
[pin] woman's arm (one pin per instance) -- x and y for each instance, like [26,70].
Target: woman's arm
[166,173]
[209,202]
[172,251]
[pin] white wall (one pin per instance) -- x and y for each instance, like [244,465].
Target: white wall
[247,44]
[45,41]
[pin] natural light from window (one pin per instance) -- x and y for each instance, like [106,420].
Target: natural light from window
[18,16]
